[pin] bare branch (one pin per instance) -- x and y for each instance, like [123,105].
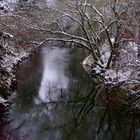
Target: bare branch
[59,33]
[97,11]
[65,40]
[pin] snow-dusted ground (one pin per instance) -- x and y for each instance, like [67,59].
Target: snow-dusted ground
[10,58]
[8,4]
[125,67]
[3,101]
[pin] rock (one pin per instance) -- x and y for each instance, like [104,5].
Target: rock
[88,63]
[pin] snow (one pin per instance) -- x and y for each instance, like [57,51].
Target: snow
[110,74]
[8,4]
[10,58]
[3,101]
[125,68]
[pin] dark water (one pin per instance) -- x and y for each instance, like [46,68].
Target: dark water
[56,100]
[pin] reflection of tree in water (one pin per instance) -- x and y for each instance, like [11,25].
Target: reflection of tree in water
[6,133]
[103,113]
[83,111]
[2,121]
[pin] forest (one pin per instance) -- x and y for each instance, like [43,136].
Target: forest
[69,69]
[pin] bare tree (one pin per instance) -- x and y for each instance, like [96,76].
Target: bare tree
[93,26]
[82,23]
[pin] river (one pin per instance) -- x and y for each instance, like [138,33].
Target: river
[57,100]
[46,83]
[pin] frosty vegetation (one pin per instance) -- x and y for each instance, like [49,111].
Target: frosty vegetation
[109,33]
[104,32]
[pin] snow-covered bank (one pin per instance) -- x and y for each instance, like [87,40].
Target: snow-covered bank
[10,58]
[7,5]
[125,65]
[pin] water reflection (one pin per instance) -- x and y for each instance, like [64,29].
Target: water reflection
[56,100]
[54,78]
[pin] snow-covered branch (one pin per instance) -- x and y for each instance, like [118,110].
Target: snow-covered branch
[94,8]
[60,33]
[65,40]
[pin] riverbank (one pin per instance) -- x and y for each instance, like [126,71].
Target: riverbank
[124,67]
[11,57]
